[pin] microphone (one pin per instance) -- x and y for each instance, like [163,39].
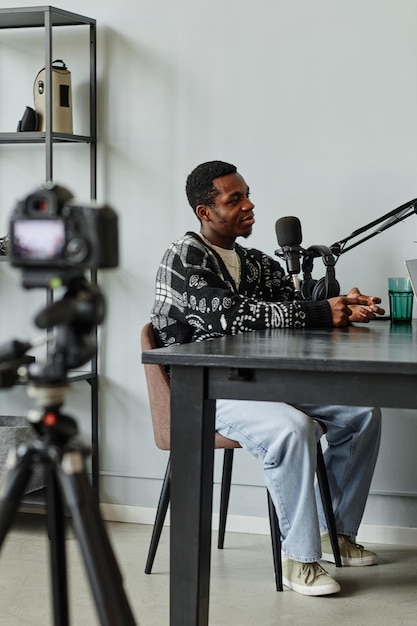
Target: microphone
[288,231]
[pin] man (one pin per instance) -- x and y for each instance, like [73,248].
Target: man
[208,286]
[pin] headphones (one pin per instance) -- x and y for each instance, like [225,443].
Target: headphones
[326,287]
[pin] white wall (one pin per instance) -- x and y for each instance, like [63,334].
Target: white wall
[315,104]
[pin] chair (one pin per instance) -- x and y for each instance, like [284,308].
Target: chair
[159,402]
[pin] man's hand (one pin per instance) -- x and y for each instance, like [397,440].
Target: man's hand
[355,307]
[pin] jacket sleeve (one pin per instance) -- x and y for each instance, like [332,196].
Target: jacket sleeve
[213,307]
[194,293]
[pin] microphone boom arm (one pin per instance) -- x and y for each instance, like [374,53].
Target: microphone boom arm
[389,219]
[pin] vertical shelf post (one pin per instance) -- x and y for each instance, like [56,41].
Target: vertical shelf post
[48,98]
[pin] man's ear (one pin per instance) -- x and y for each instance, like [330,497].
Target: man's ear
[202,212]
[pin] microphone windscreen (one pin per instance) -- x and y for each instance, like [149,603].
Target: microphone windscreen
[288,231]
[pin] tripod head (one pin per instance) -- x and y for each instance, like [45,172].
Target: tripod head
[74,317]
[69,323]
[71,345]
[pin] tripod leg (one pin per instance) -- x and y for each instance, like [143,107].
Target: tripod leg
[100,562]
[16,479]
[56,532]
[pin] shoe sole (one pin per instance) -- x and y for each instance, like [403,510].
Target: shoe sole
[367,560]
[322,590]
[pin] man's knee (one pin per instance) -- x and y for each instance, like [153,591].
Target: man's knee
[373,419]
[296,435]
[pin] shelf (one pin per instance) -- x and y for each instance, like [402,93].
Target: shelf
[24,17]
[72,377]
[47,18]
[39,137]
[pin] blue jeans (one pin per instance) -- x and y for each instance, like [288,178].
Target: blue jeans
[284,438]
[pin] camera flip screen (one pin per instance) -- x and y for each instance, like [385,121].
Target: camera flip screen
[39,239]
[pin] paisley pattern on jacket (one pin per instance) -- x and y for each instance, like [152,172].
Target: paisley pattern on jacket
[197,299]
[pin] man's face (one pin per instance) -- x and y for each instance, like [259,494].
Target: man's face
[232,214]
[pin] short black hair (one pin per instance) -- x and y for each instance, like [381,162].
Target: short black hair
[199,187]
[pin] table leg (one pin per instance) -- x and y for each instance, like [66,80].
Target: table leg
[192,458]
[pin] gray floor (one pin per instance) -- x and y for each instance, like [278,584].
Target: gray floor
[242,587]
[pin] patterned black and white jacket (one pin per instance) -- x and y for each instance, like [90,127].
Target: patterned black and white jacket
[197,299]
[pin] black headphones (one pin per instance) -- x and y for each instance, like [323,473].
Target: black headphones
[326,287]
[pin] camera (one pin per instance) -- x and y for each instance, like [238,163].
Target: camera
[47,232]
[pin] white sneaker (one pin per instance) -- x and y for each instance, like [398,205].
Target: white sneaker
[351,553]
[310,579]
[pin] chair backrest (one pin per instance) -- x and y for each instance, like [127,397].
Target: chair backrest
[159,393]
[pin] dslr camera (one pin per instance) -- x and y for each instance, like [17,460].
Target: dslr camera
[50,237]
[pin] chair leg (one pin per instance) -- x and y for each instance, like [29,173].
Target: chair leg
[161,512]
[164,500]
[327,504]
[224,494]
[276,542]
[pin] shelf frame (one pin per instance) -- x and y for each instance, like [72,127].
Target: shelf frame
[49,17]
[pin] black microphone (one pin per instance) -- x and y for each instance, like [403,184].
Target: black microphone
[288,231]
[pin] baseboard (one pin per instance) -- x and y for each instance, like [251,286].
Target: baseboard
[392,535]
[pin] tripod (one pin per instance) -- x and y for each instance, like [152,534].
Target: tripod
[58,449]
[63,455]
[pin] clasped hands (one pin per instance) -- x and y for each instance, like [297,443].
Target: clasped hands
[354,307]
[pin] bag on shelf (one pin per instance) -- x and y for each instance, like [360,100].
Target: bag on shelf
[29,121]
[61,98]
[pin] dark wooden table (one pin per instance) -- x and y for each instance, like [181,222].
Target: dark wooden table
[374,364]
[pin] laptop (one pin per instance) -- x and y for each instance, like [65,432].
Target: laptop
[411,266]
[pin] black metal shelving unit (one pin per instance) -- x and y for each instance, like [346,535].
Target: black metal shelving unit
[49,18]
